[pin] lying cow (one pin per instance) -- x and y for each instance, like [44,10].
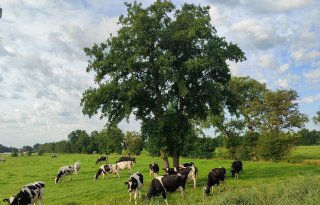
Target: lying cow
[102,158]
[135,184]
[193,173]
[216,176]
[162,185]
[29,194]
[154,169]
[64,171]
[236,168]
[76,167]
[2,159]
[105,169]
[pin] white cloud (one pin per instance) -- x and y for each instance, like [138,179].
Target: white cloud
[313,75]
[311,99]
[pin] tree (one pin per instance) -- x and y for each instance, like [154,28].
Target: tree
[280,114]
[166,66]
[316,119]
[109,140]
[134,142]
[62,147]
[79,140]
[307,137]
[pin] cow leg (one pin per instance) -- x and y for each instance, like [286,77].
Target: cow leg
[70,177]
[118,175]
[182,192]
[150,173]
[165,198]
[130,194]
[194,182]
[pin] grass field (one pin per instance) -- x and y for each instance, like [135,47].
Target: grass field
[261,183]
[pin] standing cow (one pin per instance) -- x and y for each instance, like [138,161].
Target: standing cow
[154,169]
[216,176]
[76,167]
[102,158]
[63,171]
[236,168]
[105,169]
[135,184]
[193,172]
[29,194]
[162,185]
[2,159]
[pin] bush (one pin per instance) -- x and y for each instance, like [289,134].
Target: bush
[41,152]
[14,154]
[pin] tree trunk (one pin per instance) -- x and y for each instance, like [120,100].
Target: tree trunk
[164,157]
[175,159]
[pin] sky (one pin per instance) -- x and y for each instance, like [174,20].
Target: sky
[43,66]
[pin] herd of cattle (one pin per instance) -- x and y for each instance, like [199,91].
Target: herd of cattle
[173,180]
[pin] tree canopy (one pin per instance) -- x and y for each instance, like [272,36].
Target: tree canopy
[166,66]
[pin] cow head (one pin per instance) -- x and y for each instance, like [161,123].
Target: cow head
[132,184]
[234,173]
[13,200]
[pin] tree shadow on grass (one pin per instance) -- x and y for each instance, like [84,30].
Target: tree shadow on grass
[72,203]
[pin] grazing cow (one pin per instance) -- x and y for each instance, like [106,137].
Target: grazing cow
[236,168]
[193,173]
[105,169]
[154,169]
[125,165]
[54,156]
[128,158]
[135,183]
[102,158]
[64,171]
[28,194]
[2,159]
[162,185]
[216,176]
[76,167]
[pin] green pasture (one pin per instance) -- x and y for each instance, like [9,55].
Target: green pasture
[261,182]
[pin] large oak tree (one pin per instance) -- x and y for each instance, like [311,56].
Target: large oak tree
[166,66]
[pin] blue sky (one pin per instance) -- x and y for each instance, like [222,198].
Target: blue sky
[42,63]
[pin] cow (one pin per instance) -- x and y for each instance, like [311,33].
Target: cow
[64,171]
[236,168]
[54,156]
[128,158]
[135,184]
[154,169]
[102,158]
[162,185]
[76,167]
[193,173]
[125,165]
[105,169]
[2,159]
[216,176]
[29,194]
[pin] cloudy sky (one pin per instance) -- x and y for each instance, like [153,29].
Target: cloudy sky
[42,63]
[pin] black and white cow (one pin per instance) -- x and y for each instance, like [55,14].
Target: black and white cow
[135,184]
[2,159]
[76,167]
[236,168]
[102,158]
[193,173]
[64,171]
[154,169]
[128,158]
[54,156]
[29,194]
[105,169]
[162,185]
[216,176]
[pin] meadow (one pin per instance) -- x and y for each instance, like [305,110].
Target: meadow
[261,182]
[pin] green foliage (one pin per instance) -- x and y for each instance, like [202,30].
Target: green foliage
[308,137]
[78,141]
[276,145]
[41,152]
[316,119]
[109,140]
[134,142]
[14,154]
[164,65]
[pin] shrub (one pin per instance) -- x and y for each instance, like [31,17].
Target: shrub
[14,154]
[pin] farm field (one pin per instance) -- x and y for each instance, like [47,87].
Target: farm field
[261,183]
